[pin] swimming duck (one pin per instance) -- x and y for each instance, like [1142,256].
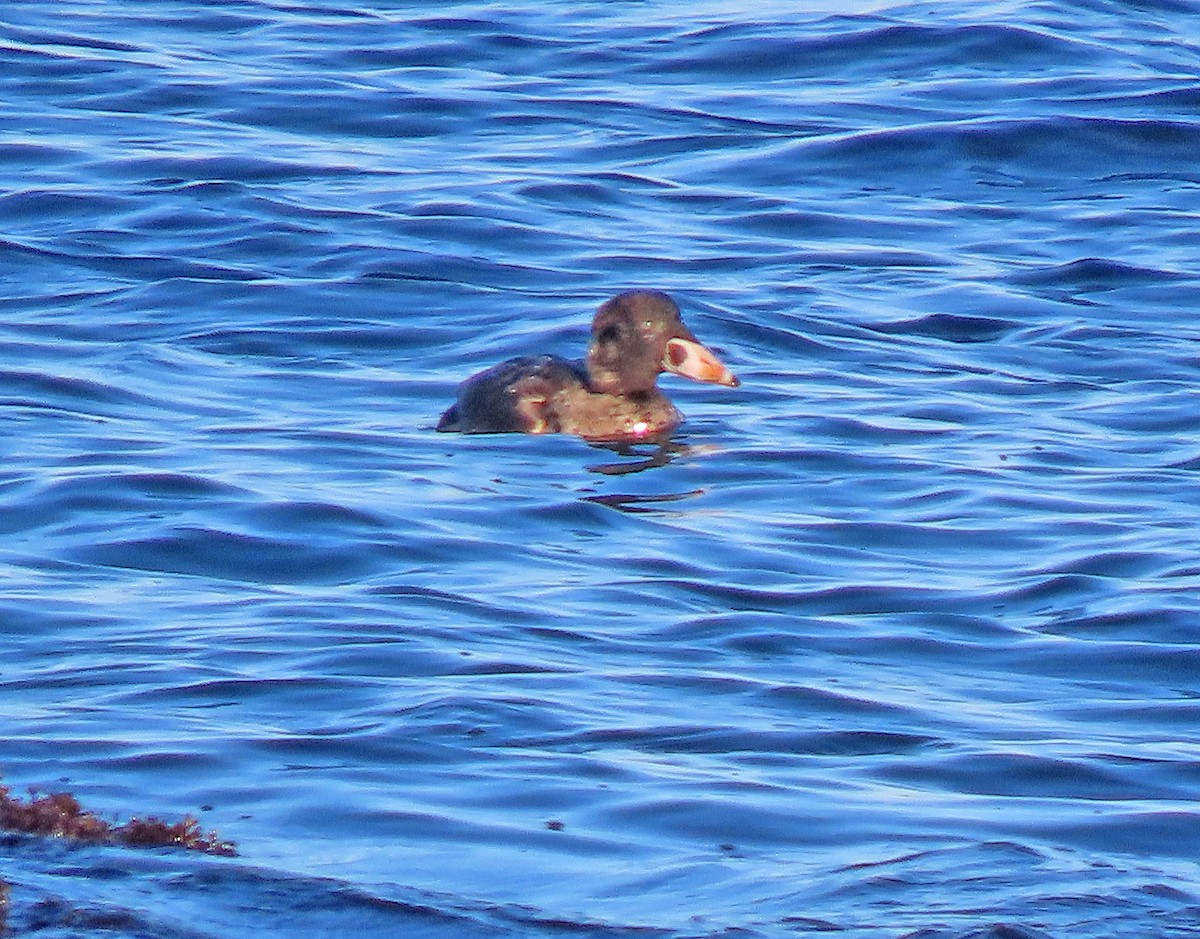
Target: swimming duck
[610,396]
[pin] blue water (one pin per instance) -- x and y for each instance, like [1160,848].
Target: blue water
[899,638]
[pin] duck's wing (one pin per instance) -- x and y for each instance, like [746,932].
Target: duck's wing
[512,397]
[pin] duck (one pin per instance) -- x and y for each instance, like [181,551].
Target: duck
[612,395]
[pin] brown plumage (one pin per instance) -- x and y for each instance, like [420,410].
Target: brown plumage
[612,395]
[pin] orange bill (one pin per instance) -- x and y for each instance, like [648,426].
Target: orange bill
[692,360]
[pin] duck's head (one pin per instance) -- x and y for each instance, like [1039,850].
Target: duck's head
[639,334]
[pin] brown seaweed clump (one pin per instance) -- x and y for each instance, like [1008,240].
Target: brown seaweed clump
[59,815]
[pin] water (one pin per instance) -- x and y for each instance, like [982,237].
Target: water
[900,638]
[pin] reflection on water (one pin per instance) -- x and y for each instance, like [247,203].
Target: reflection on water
[627,502]
[660,454]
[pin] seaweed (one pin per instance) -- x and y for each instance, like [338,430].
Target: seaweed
[59,815]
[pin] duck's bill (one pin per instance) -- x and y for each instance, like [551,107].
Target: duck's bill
[692,360]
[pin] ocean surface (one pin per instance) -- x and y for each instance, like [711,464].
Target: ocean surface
[901,638]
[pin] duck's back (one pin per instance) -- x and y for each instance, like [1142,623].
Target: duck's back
[512,396]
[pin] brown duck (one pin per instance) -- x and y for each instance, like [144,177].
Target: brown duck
[611,396]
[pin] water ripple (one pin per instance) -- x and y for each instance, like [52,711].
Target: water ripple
[899,635]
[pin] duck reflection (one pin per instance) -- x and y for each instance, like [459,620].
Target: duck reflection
[664,452]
